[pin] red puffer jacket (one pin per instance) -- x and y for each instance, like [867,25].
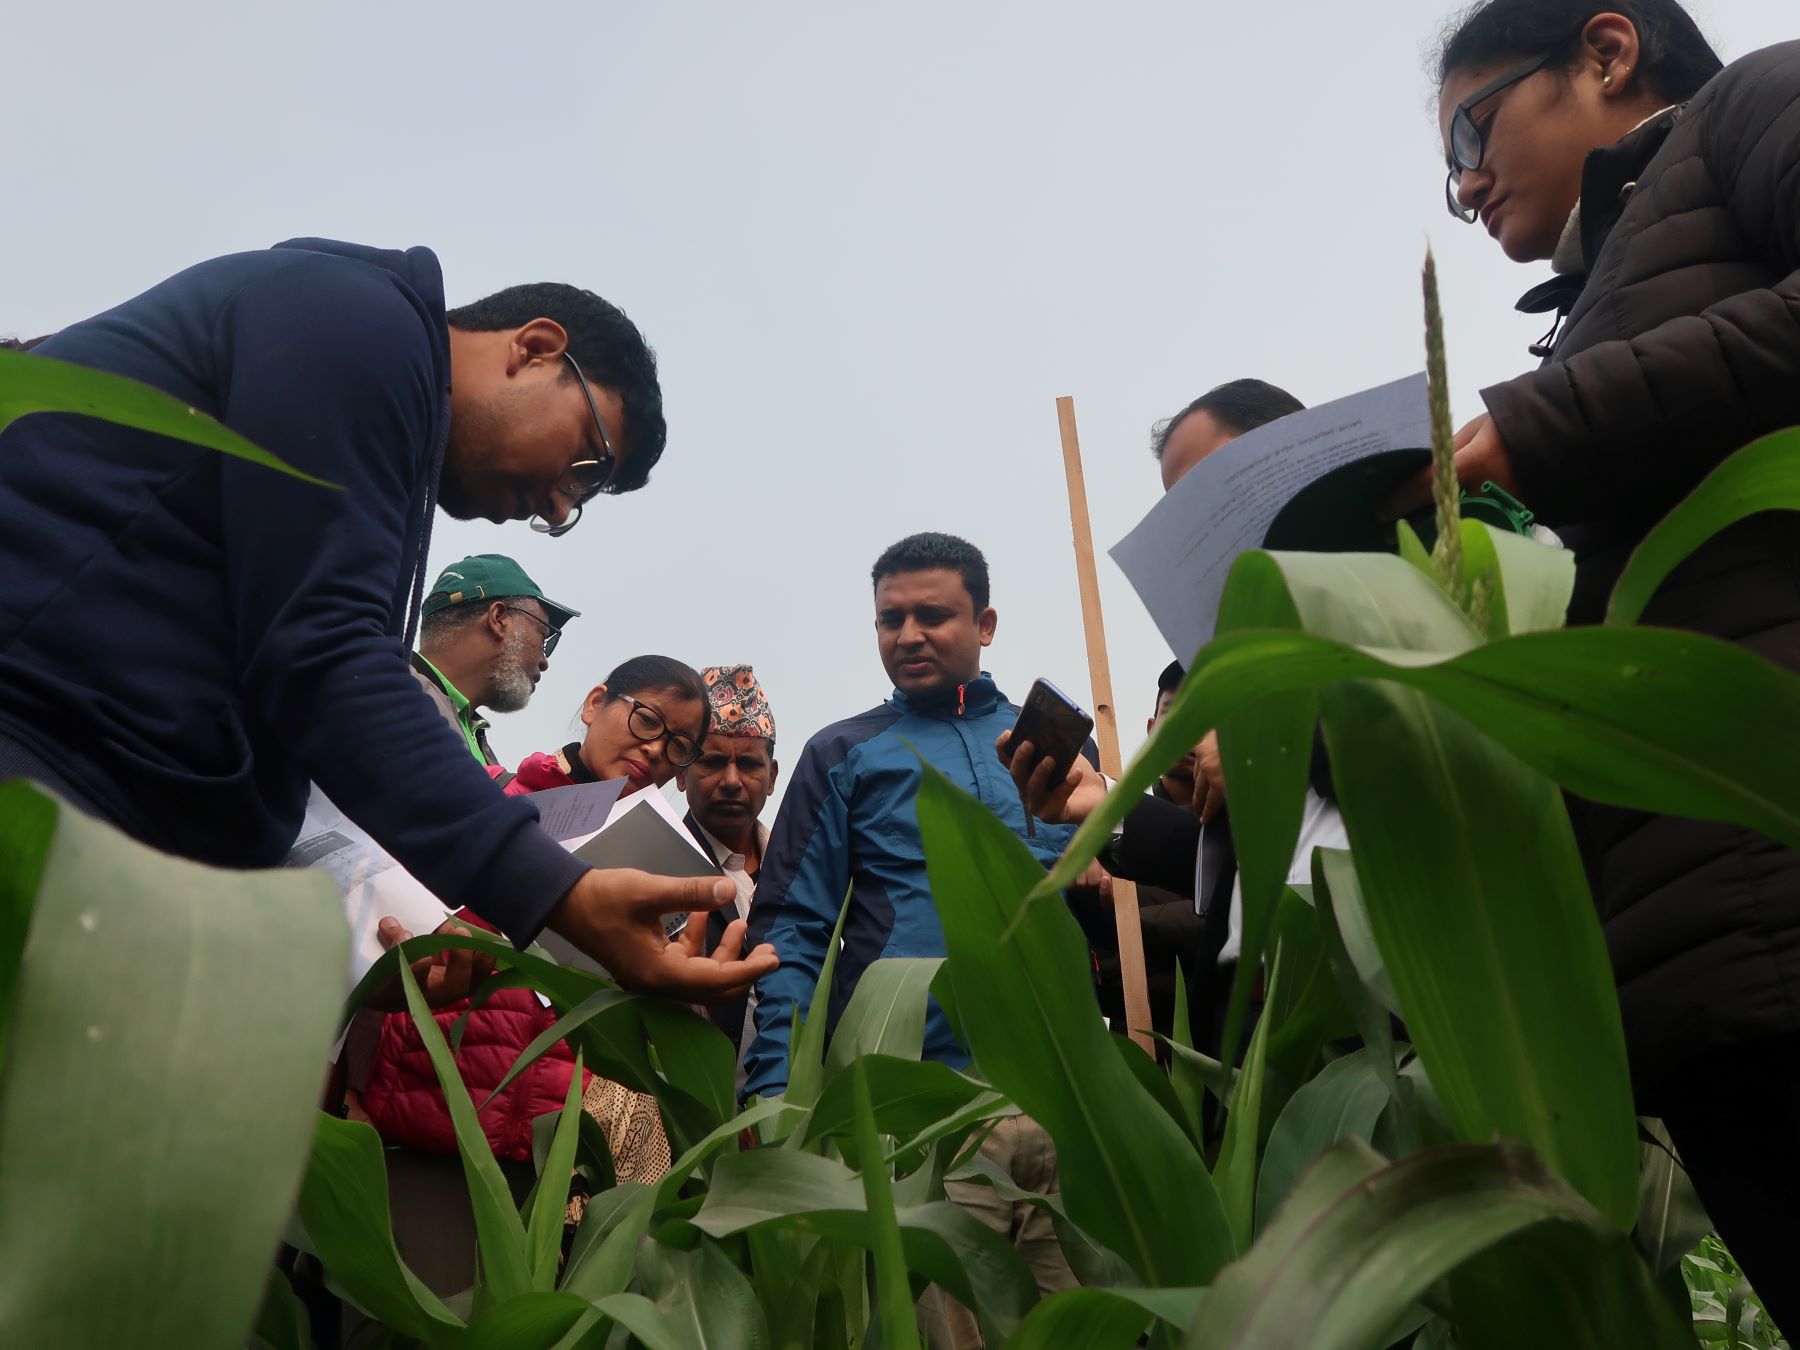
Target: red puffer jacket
[402,1096]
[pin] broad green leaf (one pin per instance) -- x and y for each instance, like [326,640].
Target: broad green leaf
[1102,1319]
[806,1046]
[908,1095]
[499,1232]
[722,1136]
[1154,1080]
[1479,901]
[197,1002]
[539,1319]
[893,1294]
[707,1300]
[30,383]
[639,1316]
[1346,1098]
[344,1204]
[803,1192]
[549,1200]
[1644,718]
[1129,1174]
[599,1260]
[956,1125]
[1763,476]
[1334,879]
[1536,581]
[1359,1239]
[886,1013]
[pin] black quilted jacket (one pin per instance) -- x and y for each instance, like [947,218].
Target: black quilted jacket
[1683,345]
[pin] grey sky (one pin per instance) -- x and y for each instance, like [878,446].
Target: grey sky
[870,245]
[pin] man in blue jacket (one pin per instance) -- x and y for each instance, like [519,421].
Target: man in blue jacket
[850,822]
[186,639]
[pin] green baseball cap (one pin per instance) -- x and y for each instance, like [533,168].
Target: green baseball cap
[490,576]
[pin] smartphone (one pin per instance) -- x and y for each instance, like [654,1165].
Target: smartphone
[1055,724]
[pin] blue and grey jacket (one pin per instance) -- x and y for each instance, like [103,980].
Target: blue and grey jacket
[849,818]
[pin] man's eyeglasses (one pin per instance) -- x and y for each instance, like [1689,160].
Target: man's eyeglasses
[1468,143]
[649,726]
[552,634]
[585,479]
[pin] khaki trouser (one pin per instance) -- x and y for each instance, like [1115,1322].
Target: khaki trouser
[1021,1148]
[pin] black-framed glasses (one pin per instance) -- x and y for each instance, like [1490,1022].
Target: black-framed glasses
[1468,143]
[650,726]
[585,479]
[552,634]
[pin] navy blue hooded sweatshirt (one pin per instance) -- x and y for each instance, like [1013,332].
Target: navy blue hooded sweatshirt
[189,637]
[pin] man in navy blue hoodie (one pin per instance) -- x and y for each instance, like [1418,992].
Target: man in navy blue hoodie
[187,638]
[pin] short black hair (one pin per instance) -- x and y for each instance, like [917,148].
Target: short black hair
[1170,679]
[923,552]
[1674,57]
[608,347]
[655,674]
[1236,405]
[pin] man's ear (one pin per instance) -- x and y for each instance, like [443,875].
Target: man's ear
[540,342]
[1149,726]
[681,780]
[496,620]
[774,774]
[985,624]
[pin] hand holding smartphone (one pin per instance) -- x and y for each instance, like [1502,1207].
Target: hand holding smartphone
[1054,723]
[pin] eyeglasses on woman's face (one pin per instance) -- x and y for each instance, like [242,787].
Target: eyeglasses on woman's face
[585,478]
[650,726]
[1468,142]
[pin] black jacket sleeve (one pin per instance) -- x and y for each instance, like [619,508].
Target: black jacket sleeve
[1157,847]
[331,367]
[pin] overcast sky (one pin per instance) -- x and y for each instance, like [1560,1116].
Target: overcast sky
[871,245]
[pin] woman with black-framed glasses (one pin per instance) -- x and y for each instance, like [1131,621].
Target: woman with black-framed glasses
[1664,191]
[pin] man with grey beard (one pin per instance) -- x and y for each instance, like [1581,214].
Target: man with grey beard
[485,638]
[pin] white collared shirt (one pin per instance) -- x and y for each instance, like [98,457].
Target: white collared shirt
[736,864]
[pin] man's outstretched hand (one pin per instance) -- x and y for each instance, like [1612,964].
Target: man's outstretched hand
[615,916]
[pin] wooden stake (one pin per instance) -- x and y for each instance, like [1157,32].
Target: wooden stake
[1106,724]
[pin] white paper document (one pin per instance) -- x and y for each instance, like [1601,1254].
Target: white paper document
[1179,556]
[375,885]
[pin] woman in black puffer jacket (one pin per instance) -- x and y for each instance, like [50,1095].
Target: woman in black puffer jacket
[1666,194]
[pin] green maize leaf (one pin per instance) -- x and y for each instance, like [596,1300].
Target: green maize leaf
[1156,1082]
[1337,894]
[1536,581]
[604,1264]
[1203,1070]
[1480,904]
[909,1096]
[1184,1076]
[893,1293]
[1306,1011]
[1671,1220]
[1102,1319]
[199,1001]
[886,1013]
[1265,751]
[727,1134]
[1235,1172]
[614,1004]
[623,1206]
[281,1324]
[1130,1176]
[1346,1098]
[549,1200]
[499,1232]
[1644,718]
[707,1300]
[1763,476]
[344,1204]
[1359,1240]
[638,1315]
[531,1320]
[806,1046]
[803,1192]
[30,383]
[955,1126]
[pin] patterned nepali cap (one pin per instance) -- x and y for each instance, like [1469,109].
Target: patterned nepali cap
[739,706]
